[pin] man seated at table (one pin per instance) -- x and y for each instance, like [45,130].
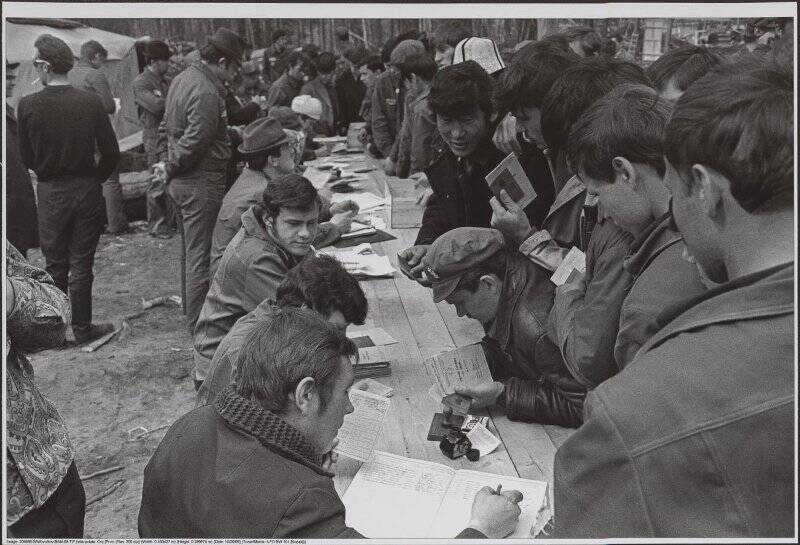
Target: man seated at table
[276,235]
[267,148]
[460,97]
[473,270]
[256,463]
[697,436]
[319,283]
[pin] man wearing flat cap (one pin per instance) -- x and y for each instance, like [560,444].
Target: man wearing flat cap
[150,93]
[471,268]
[59,129]
[195,127]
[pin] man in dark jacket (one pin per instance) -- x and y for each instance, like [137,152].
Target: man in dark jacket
[288,85]
[510,296]
[150,93]
[696,436]
[59,129]
[322,87]
[256,463]
[196,129]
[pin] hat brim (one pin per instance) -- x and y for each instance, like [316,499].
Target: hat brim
[442,289]
[255,153]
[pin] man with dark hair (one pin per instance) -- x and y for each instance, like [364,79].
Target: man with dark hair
[696,438]
[583,40]
[150,93]
[196,130]
[86,74]
[276,235]
[674,71]
[288,84]
[276,57]
[473,270]
[419,124]
[59,129]
[349,89]
[319,283]
[446,37]
[256,463]
[616,147]
[460,97]
[369,68]
[323,88]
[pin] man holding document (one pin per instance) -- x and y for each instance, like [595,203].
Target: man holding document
[256,463]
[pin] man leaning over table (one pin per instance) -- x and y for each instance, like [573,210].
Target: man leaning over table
[696,436]
[257,463]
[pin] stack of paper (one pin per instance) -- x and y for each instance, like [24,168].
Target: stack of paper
[361,260]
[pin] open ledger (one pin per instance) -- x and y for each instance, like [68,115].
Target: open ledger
[396,497]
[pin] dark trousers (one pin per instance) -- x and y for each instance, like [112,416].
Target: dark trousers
[71,217]
[198,196]
[61,516]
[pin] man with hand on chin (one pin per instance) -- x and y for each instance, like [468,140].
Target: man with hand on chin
[256,463]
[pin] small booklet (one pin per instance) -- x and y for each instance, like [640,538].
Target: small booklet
[574,263]
[508,175]
[465,366]
[362,428]
[395,497]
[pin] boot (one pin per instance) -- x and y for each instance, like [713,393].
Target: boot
[87,334]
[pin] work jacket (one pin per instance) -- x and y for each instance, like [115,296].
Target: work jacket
[283,91]
[326,94]
[386,116]
[538,387]
[150,93]
[404,137]
[661,278]
[695,437]
[85,76]
[195,122]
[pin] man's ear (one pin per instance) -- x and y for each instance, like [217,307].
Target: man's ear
[624,171]
[706,185]
[306,396]
[490,282]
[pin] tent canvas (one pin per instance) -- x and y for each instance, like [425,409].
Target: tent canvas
[121,69]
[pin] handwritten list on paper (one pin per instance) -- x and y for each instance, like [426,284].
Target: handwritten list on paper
[362,428]
[465,366]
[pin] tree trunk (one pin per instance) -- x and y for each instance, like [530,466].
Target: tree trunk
[546,27]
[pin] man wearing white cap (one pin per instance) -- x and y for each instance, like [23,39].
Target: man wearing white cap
[310,111]
[481,50]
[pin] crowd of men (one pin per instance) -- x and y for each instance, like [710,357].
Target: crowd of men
[672,353]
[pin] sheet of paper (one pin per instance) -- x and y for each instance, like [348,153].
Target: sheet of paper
[574,260]
[362,428]
[367,202]
[454,513]
[465,366]
[482,439]
[318,178]
[395,497]
[377,335]
[373,386]
[509,175]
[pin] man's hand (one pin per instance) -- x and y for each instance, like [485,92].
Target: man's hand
[420,180]
[482,395]
[509,218]
[160,172]
[389,167]
[363,135]
[344,206]
[505,136]
[343,220]
[495,514]
[331,457]
[412,262]
[424,197]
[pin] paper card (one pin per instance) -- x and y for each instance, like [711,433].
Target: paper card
[464,366]
[575,260]
[374,387]
[377,336]
[362,428]
[482,439]
[509,175]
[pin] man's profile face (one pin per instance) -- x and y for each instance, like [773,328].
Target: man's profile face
[464,133]
[367,76]
[297,71]
[331,417]
[326,79]
[530,117]
[295,229]
[479,305]
[98,60]
[444,55]
[284,162]
[227,70]
[280,43]
[160,67]
[620,203]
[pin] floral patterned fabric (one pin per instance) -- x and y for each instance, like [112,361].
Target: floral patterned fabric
[39,449]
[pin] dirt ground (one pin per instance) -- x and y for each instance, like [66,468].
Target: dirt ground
[140,378]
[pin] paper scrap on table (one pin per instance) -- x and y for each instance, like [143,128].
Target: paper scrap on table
[361,260]
[575,260]
[366,202]
[376,335]
[318,178]
[362,428]
[482,439]
[464,366]
[374,387]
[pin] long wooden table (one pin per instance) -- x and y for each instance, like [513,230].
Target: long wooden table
[406,310]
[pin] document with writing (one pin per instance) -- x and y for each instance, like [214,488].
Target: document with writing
[464,366]
[362,428]
[575,260]
[396,497]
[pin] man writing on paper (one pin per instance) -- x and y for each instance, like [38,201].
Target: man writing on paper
[510,296]
[318,282]
[276,235]
[256,463]
[696,437]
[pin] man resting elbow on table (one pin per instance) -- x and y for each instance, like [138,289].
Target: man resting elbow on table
[472,269]
[256,463]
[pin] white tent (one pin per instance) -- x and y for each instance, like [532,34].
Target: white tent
[121,69]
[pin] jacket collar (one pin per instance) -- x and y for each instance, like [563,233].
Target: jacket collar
[211,76]
[765,293]
[571,189]
[649,244]
[513,286]
[253,226]
[270,429]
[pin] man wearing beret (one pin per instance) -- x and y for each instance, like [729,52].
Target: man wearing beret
[59,129]
[195,127]
[510,296]
[150,93]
